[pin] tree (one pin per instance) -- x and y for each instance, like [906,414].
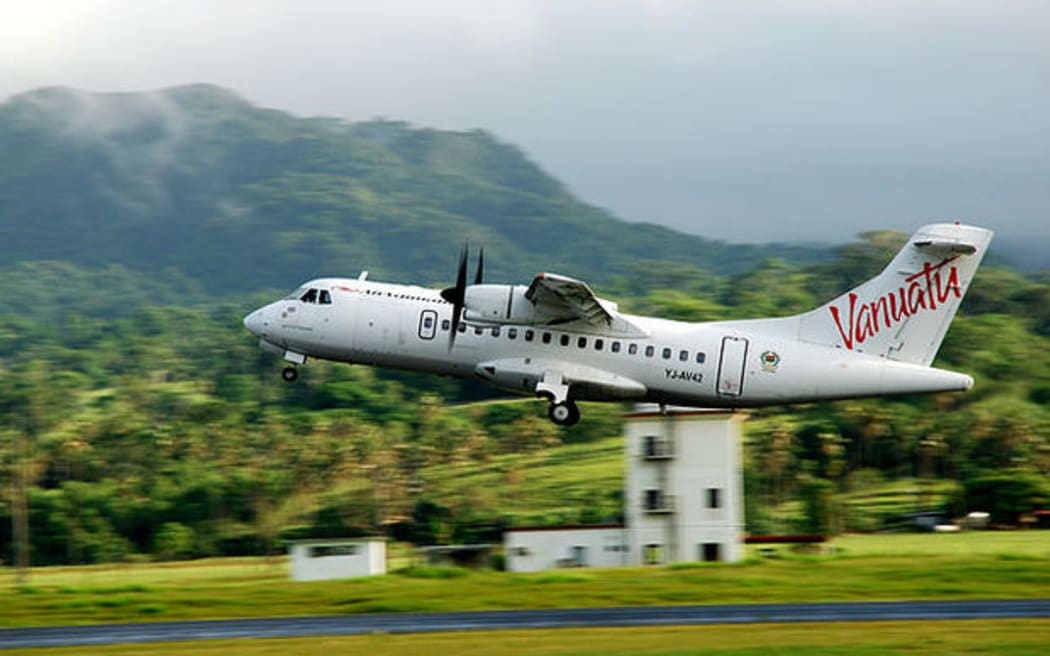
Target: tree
[1006,495]
[775,458]
[31,402]
[173,541]
[820,515]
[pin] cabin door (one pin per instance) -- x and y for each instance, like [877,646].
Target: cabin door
[731,366]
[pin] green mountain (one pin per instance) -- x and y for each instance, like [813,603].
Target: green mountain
[197,184]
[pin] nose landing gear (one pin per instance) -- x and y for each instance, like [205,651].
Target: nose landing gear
[289,374]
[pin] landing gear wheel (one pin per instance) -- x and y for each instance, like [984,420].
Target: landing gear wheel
[564,414]
[289,374]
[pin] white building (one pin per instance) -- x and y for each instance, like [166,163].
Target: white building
[540,548]
[319,560]
[683,499]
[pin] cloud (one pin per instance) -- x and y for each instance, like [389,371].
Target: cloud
[747,121]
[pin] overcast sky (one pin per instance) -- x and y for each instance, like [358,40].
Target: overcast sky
[740,120]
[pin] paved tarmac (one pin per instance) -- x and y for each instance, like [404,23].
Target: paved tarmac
[297,627]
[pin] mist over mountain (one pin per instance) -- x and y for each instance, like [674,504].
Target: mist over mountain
[197,182]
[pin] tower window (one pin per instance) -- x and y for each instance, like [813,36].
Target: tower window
[714,497]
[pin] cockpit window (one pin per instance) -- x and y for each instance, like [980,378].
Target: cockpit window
[296,294]
[326,298]
[309,297]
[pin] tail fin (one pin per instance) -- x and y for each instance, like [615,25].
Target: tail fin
[904,312]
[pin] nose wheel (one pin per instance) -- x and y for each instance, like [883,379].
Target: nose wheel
[290,374]
[564,414]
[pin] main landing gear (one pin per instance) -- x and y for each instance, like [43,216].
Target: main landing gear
[562,410]
[564,414]
[290,374]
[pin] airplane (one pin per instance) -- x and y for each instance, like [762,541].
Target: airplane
[556,339]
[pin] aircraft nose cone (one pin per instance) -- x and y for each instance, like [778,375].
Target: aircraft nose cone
[254,322]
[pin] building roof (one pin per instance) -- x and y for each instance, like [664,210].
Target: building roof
[322,541]
[653,410]
[455,548]
[567,527]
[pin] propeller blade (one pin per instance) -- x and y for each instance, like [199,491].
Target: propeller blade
[455,296]
[461,275]
[479,274]
[457,312]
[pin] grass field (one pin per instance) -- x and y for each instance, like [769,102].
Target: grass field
[930,566]
[1000,637]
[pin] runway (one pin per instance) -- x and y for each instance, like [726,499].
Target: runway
[298,627]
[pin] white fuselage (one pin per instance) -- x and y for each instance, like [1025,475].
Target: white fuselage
[719,364]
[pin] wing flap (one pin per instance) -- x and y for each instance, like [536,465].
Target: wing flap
[560,295]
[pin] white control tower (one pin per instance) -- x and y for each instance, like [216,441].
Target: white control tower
[683,497]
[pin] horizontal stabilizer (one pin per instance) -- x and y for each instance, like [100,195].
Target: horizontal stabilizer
[946,247]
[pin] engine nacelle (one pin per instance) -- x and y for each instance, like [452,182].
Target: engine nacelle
[504,304]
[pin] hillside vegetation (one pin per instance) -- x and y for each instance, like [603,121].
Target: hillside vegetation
[141,421]
[197,181]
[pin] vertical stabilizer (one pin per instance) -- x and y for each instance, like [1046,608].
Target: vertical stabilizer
[903,313]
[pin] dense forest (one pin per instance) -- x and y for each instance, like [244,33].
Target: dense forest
[139,420]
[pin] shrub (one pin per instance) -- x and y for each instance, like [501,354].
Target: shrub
[173,541]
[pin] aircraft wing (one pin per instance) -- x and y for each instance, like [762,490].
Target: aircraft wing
[564,296]
[588,383]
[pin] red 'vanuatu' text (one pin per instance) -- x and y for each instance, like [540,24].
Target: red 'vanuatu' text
[923,291]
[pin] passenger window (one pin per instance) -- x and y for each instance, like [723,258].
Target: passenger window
[546,338]
[667,353]
[445,324]
[309,297]
[581,342]
[529,335]
[495,331]
[478,330]
[615,347]
[428,322]
[564,340]
[632,349]
[700,358]
[598,344]
[326,298]
[683,356]
[649,350]
[512,333]
[462,327]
